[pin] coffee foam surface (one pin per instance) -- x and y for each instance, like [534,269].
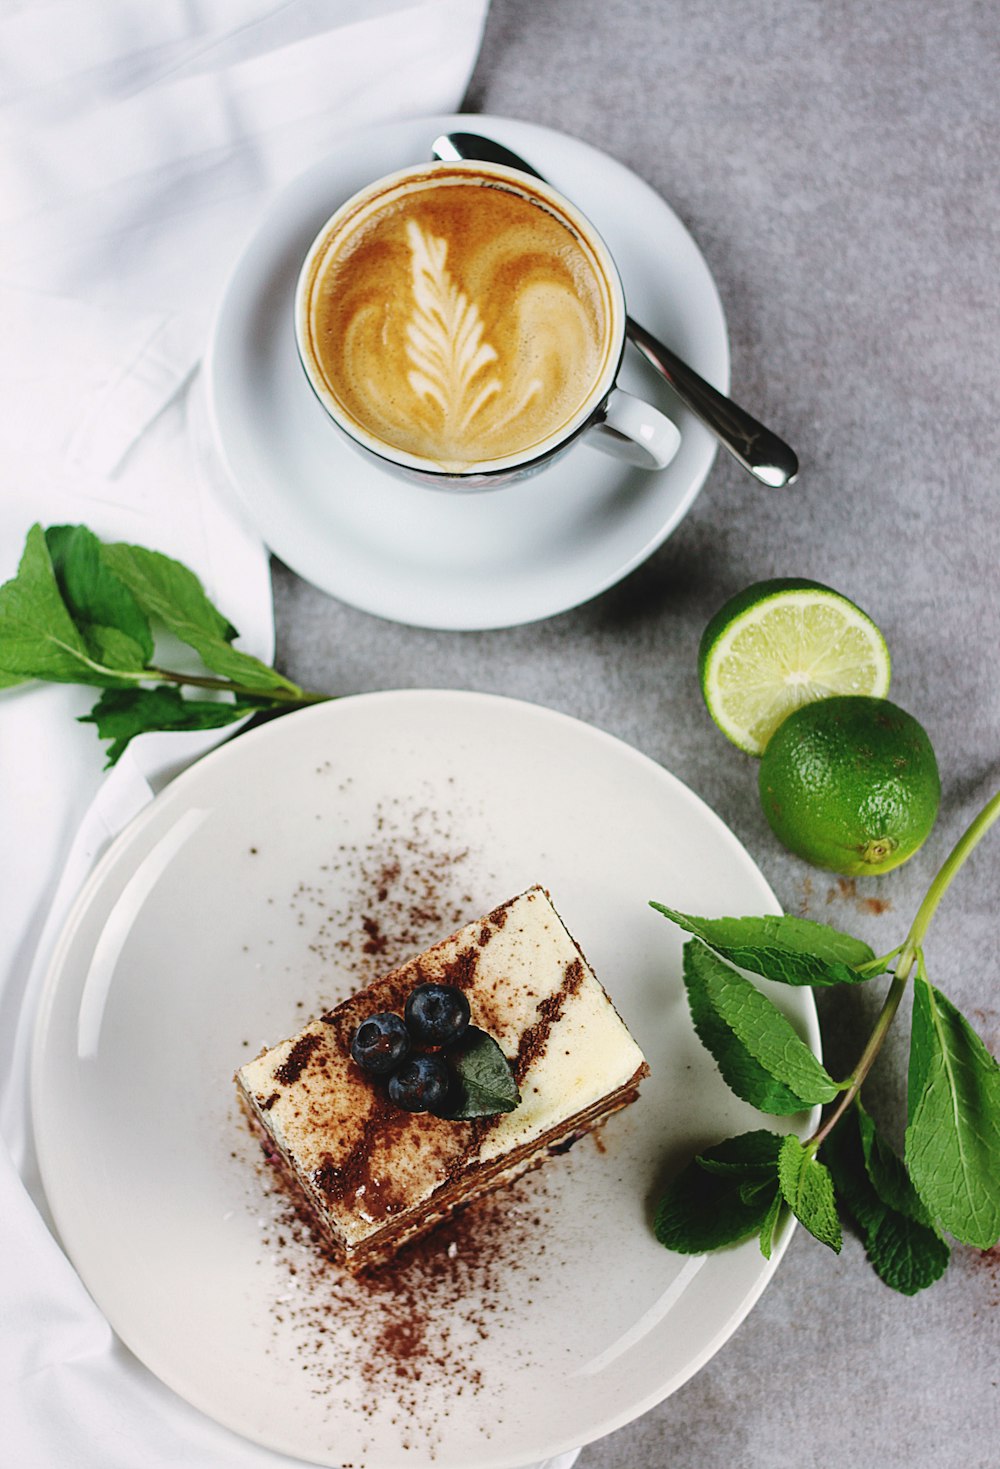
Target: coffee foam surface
[459,322]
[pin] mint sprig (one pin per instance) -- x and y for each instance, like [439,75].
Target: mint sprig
[948,1180]
[86,611]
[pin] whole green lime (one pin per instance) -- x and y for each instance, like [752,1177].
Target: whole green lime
[850,783]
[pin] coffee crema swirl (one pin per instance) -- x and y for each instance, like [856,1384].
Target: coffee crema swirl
[459,321]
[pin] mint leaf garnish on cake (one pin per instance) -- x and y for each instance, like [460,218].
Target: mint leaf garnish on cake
[484,1082]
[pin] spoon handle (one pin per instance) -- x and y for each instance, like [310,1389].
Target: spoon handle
[765,456]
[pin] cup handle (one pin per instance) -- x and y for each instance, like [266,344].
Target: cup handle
[635,431]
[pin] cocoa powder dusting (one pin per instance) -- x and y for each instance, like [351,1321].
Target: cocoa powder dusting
[371,906]
[297,1060]
[400,1330]
[391,1335]
[985,1264]
[846,891]
[533,1041]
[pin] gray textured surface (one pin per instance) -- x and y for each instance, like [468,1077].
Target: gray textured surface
[836,163]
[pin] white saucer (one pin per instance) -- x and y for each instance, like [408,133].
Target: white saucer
[428,557]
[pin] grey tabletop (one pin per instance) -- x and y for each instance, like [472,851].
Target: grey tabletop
[836,163]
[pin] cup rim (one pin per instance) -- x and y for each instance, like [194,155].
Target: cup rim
[536,454]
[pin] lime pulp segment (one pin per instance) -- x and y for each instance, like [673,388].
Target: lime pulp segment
[790,649]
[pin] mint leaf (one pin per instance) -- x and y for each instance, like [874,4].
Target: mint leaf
[757,1050]
[751,1155]
[791,950]
[121,714]
[111,622]
[484,1082]
[887,1171]
[907,1255]
[115,650]
[902,1245]
[753,1189]
[38,637]
[702,1211]
[953,1138]
[770,1224]
[167,590]
[807,1189]
[845,1158]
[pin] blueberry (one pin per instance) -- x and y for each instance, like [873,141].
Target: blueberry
[421,1084]
[437,1014]
[380,1043]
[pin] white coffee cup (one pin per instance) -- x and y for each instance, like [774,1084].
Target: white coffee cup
[333,278]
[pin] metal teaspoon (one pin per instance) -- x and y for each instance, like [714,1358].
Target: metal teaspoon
[765,456]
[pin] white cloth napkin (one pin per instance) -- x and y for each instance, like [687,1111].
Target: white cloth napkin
[138,145]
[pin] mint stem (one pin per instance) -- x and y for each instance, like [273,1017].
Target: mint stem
[205,681]
[867,1058]
[880,964]
[909,954]
[969,839]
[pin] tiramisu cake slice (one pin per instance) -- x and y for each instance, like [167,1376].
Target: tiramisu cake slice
[335,1099]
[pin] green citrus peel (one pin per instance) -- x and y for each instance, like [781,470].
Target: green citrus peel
[850,784]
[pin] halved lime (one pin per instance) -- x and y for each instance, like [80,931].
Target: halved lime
[779,645]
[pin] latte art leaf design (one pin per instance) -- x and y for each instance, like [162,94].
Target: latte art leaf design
[465,330]
[444,338]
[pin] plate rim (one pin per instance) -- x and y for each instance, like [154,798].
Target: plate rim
[717,373]
[133,831]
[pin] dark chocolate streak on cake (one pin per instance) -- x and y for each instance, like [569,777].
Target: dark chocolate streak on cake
[462,969]
[499,915]
[533,1041]
[297,1060]
[338,1182]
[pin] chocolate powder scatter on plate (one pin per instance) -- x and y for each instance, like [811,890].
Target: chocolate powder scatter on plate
[377,903]
[406,1327]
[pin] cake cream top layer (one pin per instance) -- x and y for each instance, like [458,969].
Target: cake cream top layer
[529,985]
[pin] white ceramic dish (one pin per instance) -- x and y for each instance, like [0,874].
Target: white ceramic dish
[428,557]
[233,907]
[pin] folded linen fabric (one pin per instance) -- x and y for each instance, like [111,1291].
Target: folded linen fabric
[138,144]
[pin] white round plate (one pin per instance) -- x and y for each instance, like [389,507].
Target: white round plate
[246,898]
[429,557]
